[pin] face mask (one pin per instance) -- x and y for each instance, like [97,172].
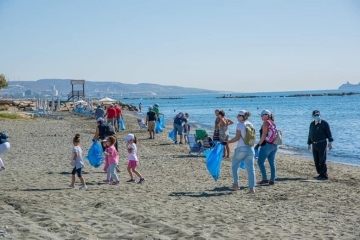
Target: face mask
[317,118]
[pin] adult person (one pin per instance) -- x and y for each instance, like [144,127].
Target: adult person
[319,131]
[156,111]
[243,152]
[4,147]
[99,112]
[102,131]
[187,128]
[140,107]
[118,115]
[223,131]
[268,149]
[216,126]
[110,115]
[150,122]
[179,119]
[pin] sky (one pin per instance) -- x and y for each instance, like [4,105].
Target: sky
[225,45]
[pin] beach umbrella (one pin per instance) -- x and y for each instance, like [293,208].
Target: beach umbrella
[81,101]
[47,105]
[43,105]
[106,99]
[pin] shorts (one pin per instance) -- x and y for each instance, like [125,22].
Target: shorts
[178,129]
[151,125]
[187,132]
[132,163]
[110,120]
[118,119]
[78,171]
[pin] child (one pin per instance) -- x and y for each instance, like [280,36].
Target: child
[133,158]
[78,163]
[112,160]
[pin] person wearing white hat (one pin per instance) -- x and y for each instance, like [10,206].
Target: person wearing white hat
[267,148]
[244,152]
[133,158]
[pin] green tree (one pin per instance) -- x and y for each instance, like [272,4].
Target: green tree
[3,81]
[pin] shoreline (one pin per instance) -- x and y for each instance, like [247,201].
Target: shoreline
[284,149]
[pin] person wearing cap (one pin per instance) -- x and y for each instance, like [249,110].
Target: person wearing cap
[110,115]
[104,130]
[155,109]
[133,158]
[118,115]
[319,131]
[268,149]
[99,112]
[150,122]
[243,152]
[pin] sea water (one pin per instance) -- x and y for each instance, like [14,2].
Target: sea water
[292,117]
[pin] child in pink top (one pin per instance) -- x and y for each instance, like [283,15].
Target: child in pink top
[133,158]
[112,158]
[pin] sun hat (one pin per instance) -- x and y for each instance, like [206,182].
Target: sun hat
[241,113]
[129,137]
[105,139]
[150,107]
[265,112]
[100,119]
[316,113]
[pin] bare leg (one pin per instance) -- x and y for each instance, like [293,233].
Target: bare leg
[136,172]
[181,138]
[227,148]
[130,173]
[82,179]
[72,179]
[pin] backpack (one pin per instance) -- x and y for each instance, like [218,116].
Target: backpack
[271,134]
[278,138]
[109,130]
[250,136]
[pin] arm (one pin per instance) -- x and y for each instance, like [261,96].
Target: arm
[129,150]
[236,138]
[96,136]
[309,136]
[146,119]
[265,128]
[229,121]
[75,156]
[328,132]
[108,152]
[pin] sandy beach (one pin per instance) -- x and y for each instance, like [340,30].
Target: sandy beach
[179,200]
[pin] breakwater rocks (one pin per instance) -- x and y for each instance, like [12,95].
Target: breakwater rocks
[323,94]
[296,95]
[25,105]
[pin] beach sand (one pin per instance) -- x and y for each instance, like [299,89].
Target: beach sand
[179,200]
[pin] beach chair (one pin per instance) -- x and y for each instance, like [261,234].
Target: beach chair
[141,123]
[206,143]
[195,147]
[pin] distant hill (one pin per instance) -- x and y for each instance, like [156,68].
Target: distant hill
[350,87]
[105,88]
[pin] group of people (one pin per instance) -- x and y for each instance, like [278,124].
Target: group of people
[319,132]
[112,114]
[319,135]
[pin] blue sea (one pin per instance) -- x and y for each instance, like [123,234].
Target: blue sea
[292,116]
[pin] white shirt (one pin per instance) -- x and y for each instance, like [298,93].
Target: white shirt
[133,155]
[78,163]
[242,128]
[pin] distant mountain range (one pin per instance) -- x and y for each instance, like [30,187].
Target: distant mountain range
[350,87]
[104,88]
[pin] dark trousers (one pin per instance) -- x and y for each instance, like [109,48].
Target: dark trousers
[319,154]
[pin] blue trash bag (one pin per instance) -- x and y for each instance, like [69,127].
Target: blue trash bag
[158,128]
[122,125]
[162,121]
[95,155]
[213,160]
[242,165]
[172,135]
[256,153]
